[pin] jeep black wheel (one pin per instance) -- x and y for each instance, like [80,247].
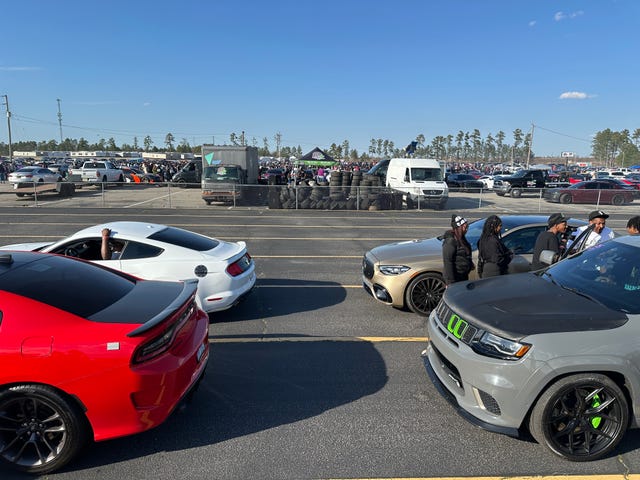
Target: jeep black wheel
[516,193]
[581,417]
[40,430]
[424,293]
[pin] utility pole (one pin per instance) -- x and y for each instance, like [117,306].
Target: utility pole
[530,143]
[242,138]
[59,119]
[278,138]
[6,102]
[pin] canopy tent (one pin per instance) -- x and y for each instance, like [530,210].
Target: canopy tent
[316,158]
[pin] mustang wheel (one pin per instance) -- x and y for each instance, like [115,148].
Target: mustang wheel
[581,417]
[40,430]
[424,293]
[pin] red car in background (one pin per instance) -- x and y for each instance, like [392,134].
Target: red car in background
[89,353]
[595,192]
[578,177]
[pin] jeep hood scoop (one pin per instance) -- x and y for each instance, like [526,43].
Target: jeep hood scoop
[519,305]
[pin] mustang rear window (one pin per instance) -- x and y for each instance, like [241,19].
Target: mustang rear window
[184,238]
[74,286]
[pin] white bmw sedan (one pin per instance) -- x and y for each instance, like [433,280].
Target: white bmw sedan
[225,270]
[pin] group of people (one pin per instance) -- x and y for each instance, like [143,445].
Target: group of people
[494,257]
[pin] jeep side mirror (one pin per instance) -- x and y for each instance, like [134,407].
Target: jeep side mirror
[547,257]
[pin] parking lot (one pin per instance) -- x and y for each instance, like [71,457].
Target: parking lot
[309,377]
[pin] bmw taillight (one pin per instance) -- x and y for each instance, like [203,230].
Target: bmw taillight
[239,266]
[161,342]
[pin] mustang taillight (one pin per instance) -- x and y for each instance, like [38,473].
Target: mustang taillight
[239,266]
[161,342]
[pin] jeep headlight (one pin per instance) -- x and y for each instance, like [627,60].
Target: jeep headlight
[393,269]
[498,347]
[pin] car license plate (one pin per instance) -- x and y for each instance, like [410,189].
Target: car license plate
[200,352]
[15,186]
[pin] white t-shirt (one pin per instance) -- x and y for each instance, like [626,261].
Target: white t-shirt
[594,238]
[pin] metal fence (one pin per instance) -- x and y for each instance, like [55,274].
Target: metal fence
[276,197]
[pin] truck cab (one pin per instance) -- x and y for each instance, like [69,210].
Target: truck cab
[521,181]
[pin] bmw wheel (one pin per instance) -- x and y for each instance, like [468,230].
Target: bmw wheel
[40,430]
[424,293]
[581,417]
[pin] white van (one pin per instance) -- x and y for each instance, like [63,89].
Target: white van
[420,179]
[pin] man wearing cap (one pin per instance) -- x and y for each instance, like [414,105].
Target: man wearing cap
[599,233]
[548,240]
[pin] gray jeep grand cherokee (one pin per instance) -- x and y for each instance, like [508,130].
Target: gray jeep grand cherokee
[556,351]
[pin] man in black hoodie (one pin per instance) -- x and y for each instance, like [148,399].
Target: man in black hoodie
[456,251]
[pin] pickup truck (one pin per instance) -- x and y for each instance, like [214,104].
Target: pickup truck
[98,171]
[525,181]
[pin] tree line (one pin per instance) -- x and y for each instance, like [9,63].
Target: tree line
[609,148]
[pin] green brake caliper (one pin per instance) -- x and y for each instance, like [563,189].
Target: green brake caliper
[595,403]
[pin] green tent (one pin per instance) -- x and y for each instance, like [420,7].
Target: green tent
[316,158]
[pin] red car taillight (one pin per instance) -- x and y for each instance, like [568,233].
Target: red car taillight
[239,266]
[161,342]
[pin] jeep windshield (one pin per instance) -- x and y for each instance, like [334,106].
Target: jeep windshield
[221,174]
[609,273]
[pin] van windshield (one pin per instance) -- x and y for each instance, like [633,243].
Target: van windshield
[426,174]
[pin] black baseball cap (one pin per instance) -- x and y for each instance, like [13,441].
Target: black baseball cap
[555,219]
[597,214]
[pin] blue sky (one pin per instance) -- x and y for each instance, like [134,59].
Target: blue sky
[320,72]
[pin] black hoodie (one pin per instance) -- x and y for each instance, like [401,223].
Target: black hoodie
[456,257]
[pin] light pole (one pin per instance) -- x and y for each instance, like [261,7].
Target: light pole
[59,119]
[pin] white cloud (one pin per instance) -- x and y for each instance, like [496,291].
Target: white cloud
[146,104]
[575,96]
[532,23]
[559,16]
[19,69]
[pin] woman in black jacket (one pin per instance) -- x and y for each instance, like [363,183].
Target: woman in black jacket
[493,256]
[456,251]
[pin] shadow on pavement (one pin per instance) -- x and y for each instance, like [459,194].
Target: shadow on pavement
[284,382]
[305,296]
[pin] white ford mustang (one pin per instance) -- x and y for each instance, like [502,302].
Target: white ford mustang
[225,270]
